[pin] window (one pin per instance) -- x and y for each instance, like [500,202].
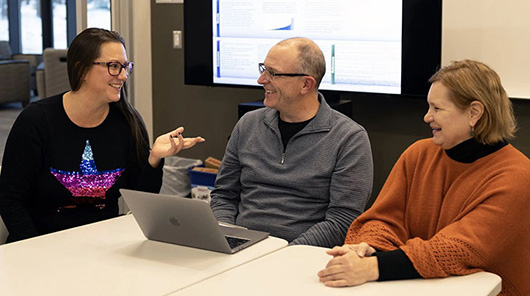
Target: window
[31,26]
[59,23]
[98,14]
[4,23]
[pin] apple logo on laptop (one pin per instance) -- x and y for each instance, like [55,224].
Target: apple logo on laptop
[174,221]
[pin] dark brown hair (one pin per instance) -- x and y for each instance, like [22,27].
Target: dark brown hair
[83,51]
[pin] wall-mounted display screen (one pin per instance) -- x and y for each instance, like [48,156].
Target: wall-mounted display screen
[371,46]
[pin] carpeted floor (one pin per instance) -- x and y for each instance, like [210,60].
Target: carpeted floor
[8,114]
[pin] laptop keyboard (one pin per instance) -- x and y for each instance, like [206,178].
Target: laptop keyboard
[235,241]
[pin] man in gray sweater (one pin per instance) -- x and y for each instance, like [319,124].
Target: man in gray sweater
[296,169]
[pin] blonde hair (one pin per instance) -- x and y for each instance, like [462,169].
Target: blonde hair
[470,81]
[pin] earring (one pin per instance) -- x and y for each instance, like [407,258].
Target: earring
[472,132]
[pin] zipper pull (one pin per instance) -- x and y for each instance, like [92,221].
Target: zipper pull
[283,158]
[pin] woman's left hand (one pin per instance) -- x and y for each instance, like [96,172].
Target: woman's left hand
[349,270]
[170,144]
[362,249]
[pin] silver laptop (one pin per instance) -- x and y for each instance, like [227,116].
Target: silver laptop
[188,222]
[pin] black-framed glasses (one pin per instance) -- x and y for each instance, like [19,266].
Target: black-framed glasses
[270,75]
[115,68]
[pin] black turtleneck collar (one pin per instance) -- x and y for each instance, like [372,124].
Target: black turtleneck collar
[471,150]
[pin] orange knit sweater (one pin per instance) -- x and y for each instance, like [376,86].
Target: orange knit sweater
[453,218]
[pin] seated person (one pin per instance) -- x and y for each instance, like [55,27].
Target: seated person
[67,156]
[296,169]
[454,205]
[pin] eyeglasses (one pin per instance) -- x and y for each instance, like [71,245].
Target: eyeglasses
[270,75]
[115,68]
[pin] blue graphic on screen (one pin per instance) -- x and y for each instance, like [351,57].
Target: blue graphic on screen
[217,18]
[218,68]
[289,27]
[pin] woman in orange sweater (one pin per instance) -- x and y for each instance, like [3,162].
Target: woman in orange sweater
[453,205]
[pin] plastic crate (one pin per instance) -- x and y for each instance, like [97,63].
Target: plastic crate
[198,178]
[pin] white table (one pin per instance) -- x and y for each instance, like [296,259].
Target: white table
[111,258]
[293,271]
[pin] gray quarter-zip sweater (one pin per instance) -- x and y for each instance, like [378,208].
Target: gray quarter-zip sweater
[308,194]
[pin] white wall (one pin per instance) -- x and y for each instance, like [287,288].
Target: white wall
[141,45]
[494,32]
[132,19]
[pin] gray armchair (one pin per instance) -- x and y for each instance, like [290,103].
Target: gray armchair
[52,75]
[14,82]
[15,76]
[33,59]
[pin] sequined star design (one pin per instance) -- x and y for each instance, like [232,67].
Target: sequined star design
[89,182]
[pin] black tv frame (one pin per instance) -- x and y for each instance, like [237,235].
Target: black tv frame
[421,45]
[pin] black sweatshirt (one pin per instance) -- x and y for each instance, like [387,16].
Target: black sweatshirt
[56,175]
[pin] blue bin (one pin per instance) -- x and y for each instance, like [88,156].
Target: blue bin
[198,178]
